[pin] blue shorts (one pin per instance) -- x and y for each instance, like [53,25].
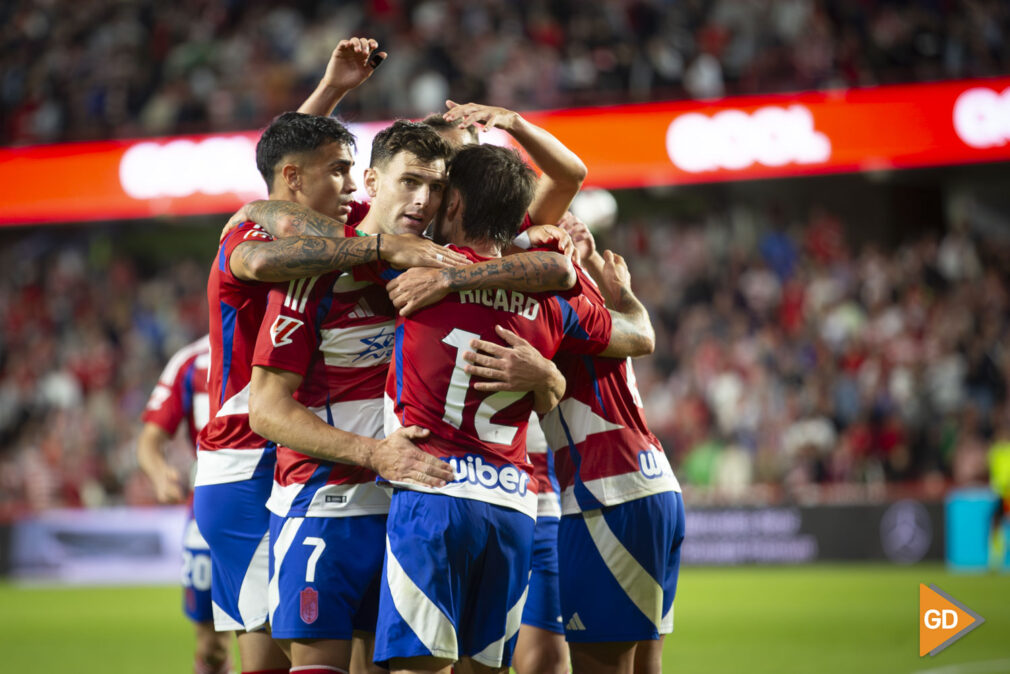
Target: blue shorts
[234,520]
[455,579]
[196,575]
[324,575]
[543,604]
[629,554]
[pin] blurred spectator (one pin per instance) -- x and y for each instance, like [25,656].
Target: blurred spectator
[109,68]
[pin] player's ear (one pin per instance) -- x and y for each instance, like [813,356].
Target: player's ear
[453,204]
[292,176]
[371,182]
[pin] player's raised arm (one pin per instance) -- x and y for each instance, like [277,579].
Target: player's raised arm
[526,272]
[632,333]
[563,171]
[352,62]
[276,415]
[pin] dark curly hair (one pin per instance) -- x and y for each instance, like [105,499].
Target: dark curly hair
[295,132]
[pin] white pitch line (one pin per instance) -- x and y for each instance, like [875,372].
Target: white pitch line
[981,667]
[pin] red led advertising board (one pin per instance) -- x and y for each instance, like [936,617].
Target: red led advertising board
[743,138]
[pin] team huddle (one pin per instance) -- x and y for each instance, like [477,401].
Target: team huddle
[421,453]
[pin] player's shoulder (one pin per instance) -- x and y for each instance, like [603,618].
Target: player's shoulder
[183,358]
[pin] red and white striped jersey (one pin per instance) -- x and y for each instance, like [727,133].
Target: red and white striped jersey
[481,434]
[228,450]
[548,492]
[181,392]
[338,334]
[604,453]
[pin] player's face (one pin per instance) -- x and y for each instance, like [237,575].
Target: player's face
[407,192]
[326,184]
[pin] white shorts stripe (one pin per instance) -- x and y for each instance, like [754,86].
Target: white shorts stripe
[431,626]
[281,546]
[492,655]
[641,588]
[224,622]
[252,596]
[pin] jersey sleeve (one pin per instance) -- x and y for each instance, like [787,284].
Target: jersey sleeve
[247,231]
[586,326]
[169,404]
[289,336]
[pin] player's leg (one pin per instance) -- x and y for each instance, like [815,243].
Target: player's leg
[212,656]
[541,648]
[471,666]
[612,657]
[233,518]
[649,656]
[630,555]
[258,652]
[362,650]
[421,664]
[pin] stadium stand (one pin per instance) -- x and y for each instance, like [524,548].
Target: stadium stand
[79,71]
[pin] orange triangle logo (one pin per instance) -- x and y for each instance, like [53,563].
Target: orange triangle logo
[942,620]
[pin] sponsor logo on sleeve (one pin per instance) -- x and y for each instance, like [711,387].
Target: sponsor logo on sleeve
[282,329]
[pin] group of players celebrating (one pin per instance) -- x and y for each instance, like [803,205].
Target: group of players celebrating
[420,453]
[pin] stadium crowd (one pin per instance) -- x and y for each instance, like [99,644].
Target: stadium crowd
[111,68]
[783,356]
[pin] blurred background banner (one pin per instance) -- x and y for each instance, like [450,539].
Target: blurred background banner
[784,135]
[119,546]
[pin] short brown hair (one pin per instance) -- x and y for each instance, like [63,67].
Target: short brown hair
[438,122]
[419,139]
[496,187]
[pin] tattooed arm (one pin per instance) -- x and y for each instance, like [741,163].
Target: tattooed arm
[295,257]
[538,271]
[286,218]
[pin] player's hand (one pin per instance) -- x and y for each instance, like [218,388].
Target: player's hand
[417,288]
[397,459]
[484,117]
[410,250]
[168,486]
[585,244]
[234,221]
[516,367]
[552,235]
[615,279]
[348,66]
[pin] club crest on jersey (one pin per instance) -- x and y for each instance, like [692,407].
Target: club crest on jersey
[377,347]
[475,470]
[309,605]
[282,329]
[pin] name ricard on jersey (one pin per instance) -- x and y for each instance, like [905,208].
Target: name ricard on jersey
[512,301]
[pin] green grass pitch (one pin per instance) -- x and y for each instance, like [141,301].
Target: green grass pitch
[824,619]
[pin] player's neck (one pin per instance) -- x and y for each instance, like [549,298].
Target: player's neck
[482,248]
[370,223]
